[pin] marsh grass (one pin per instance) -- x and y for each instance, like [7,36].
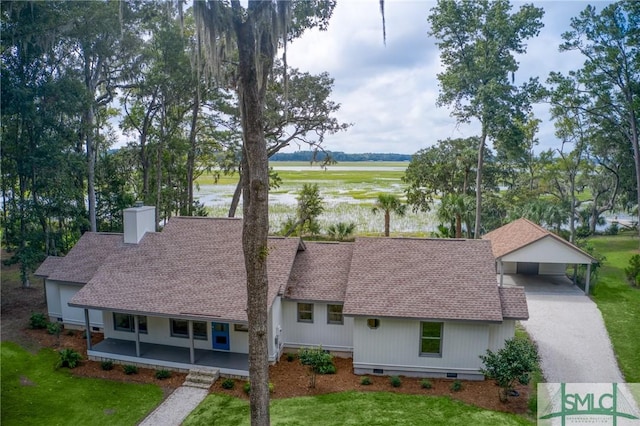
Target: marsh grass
[349,191]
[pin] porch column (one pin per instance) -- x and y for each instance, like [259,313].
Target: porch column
[588,279]
[192,350]
[501,272]
[136,329]
[87,326]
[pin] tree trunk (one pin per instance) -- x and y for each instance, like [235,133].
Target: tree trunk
[191,157]
[255,224]
[458,225]
[387,222]
[636,157]
[483,140]
[235,200]
[91,166]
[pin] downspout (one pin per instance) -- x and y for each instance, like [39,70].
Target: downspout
[501,271]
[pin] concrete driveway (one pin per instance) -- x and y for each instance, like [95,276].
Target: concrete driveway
[567,326]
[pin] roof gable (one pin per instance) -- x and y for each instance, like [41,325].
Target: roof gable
[444,279]
[194,267]
[522,233]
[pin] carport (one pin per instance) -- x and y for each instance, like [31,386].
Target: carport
[522,247]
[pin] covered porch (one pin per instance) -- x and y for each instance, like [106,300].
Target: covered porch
[172,357]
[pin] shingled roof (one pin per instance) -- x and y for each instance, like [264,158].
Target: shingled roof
[193,268]
[320,272]
[442,279]
[514,303]
[84,259]
[48,266]
[520,233]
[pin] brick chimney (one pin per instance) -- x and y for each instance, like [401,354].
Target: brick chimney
[137,221]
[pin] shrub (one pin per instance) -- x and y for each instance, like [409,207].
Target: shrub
[69,358]
[38,321]
[456,386]
[228,384]
[247,387]
[71,333]
[366,381]
[130,369]
[106,365]
[54,328]
[426,384]
[633,270]
[613,229]
[319,362]
[163,374]
[515,362]
[395,381]
[291,357]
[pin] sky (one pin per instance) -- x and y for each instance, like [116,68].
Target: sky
[389,91]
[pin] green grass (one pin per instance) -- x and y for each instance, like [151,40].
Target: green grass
[619,302]
[352,408]
[34,392]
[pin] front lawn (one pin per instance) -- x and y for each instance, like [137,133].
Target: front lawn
[619,302]
[34,392]
[352,408]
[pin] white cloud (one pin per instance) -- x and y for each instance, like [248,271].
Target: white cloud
[389,92]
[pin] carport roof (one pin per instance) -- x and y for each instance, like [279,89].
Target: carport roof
[521,233]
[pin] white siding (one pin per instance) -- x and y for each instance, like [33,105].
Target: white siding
[395,345]
[547,250]
[53,300]
[509,267]
[334,337]
[75,316]
[552,269]
[498,333]
[159,332]
[275,330]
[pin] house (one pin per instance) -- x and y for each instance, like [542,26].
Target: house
[177,298]
[523,247]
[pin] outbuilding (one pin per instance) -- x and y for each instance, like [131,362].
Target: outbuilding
[523,247]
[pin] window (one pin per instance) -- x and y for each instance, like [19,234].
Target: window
[125,322]
[334,314]
[241,327]
[305,312]
[373,323]
[180,328]
[431,338]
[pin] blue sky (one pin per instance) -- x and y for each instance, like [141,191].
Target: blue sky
[389,92]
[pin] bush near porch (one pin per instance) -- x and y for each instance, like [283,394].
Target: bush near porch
[34,392]
[618,301]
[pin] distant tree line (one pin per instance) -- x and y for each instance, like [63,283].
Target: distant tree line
[323,156]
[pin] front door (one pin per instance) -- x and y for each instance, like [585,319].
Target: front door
[220,335]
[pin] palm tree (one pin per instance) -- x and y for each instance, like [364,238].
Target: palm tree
[457,209]
[388,203]
[341,230]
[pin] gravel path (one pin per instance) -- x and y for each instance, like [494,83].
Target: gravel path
[573,343]
[176,407]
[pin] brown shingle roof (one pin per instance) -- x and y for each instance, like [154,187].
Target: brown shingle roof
[520,233]
[48,266]
[320,272]
[423,278]
[84,259]
[193,268]
[514,303]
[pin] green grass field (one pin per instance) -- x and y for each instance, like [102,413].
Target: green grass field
[34,392]
[352,408]
[619,302]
